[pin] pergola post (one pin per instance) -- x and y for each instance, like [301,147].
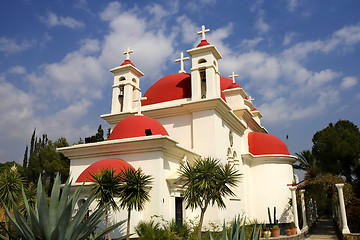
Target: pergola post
[345,228]
[294,206]
[305,226]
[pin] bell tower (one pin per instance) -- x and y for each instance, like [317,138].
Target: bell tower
[205,77]
[126,88]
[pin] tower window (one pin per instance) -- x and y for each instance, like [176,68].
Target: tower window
[148,132]
[203,83]
[202,61]
[121,98]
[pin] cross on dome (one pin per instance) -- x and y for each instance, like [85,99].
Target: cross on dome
[251,99]
[127,53]
[233,75]
[203,31]
[181,60]
[139,103]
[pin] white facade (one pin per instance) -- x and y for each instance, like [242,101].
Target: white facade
[204,120]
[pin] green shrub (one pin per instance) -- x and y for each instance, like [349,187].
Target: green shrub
[353,218]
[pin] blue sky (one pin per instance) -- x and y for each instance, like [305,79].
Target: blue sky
[300,60]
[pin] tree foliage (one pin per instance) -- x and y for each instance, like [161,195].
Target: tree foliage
[134,190]
[98,137]
[307,162]
[337,149]
[106,189]
[207,182]
[42,158]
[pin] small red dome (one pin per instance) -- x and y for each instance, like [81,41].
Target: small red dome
[266,144]
[126,62]
[137,126]
[254,109]
[203,43]
[115,164]
[178,86]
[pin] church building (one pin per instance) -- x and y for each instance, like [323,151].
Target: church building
[181,117]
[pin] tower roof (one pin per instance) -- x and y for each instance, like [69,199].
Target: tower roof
[116,164]
[137,126]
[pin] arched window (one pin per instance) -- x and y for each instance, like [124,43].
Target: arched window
[202,61]
[203,82]
[121,79]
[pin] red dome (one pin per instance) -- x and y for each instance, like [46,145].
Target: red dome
[115,164]
[203,43]
[266,144]
[137,126]
[178,86]
[126,62]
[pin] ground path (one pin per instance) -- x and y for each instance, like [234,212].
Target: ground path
[323,229]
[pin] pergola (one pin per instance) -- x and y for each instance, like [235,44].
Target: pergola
[339,185]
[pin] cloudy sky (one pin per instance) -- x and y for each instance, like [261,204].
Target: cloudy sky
[300,60]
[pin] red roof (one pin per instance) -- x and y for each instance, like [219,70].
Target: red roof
[127,61]
[178,86]
[266,144]
[136,126]
[115,164]
[203,43]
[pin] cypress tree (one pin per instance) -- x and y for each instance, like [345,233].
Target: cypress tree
[25,161]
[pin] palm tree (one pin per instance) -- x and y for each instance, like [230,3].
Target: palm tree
[107,187]
[134,191]
[308,163]
[207,182]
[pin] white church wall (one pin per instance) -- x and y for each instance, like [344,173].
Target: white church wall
[179,128]
[204,132]
[269,189]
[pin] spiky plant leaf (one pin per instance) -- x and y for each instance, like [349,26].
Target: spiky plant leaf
[54,221]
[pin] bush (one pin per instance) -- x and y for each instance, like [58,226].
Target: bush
[353,218]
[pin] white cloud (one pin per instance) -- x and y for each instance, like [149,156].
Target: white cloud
[157,11]
[288,38]
[17,70]
[357,96]
[346,37]
[261,25]
[188,29]
[152,49]
[52,20]
[199,5]
[348,82]
[257,4]
[251,43]
[349,34]
[111,11]
[8,45]
[292,4]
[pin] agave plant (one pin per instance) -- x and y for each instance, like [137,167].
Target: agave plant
[54,220]
[237,231]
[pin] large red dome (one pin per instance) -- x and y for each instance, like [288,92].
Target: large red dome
[116,164]
[177,86]
[266,144]
[137,126]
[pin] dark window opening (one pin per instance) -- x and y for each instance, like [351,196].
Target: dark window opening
[148,132]
[203,83]
[178,210]
[202,61]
